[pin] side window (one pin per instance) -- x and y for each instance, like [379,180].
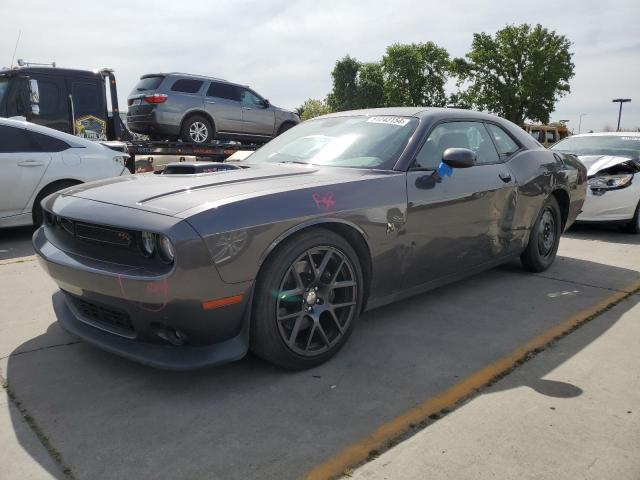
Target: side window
[223,90]
[49,98]
[47,143]
[550,136]
[86,99]
[14,140]
[505,144]
[471,135]
[186,86]
[249,99]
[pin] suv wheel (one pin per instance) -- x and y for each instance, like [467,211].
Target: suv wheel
[197,129]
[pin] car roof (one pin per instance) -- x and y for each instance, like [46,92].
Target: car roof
[71,139]
[418,112]
[608,134]
[188,75]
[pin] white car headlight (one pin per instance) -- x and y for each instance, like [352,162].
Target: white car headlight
[610,182]
[147,243]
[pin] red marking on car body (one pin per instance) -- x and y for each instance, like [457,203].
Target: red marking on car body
[221,302]
[324,202]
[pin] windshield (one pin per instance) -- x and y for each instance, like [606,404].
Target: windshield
[148,83]
[620,146]
[358,142]
[4,86]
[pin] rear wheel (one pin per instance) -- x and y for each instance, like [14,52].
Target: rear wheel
[197,129]
[544,238]
[36,210]
[307,300]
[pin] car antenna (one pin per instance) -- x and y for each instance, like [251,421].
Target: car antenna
[15,48]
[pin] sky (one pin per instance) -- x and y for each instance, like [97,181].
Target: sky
[286,50]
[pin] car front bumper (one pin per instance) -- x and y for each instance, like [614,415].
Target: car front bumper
[612,205]
[159,321]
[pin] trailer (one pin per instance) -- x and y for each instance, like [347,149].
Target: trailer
[85,103]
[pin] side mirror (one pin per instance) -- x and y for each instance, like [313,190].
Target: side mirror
[459,157]
[266,103]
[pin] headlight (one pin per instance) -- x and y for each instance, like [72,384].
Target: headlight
[147,243]
[610,182]
[165,248]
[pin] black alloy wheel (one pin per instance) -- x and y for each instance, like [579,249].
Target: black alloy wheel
[307,299]
[316,301]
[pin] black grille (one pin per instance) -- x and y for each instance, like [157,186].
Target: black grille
[103,234]
[107,316]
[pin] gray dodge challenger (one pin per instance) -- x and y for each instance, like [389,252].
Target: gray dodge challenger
[282,251]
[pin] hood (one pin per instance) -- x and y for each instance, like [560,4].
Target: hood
[597,163]
[172,194]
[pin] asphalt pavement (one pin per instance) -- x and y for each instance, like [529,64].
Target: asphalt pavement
[77,412]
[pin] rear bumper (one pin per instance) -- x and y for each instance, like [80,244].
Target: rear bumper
[155,320]
[150,123]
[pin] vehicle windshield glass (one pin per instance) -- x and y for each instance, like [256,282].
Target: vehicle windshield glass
[621,146]
[357,142]
[4,86]
[148,83]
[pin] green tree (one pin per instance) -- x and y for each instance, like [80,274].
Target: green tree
[312,108]
[344,95]
[518,74]
[370,86]
[415,74]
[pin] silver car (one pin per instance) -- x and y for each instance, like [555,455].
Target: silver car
[196,109]
[613,167]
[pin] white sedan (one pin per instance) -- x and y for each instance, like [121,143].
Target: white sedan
[36,161]
[613,168]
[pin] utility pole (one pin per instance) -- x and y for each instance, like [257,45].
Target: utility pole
[620,101]
[580,122]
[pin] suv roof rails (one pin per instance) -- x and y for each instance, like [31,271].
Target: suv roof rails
[195,75]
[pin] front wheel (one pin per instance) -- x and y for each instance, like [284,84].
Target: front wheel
[634,225]
[307,300]
[544,238]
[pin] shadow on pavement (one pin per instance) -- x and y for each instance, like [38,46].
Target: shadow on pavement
[605,232]
[110,418]
[15,242]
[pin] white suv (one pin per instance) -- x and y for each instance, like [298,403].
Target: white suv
[36,161]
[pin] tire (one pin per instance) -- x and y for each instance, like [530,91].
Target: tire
[284,127]
[197,129]
[544,238]
[297,330]
[36,210]
[634,225]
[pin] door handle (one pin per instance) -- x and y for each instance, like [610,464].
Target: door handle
[505,177]
[210,101]
[30,163]
[247,108]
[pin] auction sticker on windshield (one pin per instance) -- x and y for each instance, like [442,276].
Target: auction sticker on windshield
[400,121]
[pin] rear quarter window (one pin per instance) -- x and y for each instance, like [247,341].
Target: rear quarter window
[187,86]
[148,83]
[47,143]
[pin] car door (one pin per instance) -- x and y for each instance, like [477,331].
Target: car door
[258,117]
[457,219]
[22,164]
[88,109]
[222,102]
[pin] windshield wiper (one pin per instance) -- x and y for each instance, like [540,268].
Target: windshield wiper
[294,161]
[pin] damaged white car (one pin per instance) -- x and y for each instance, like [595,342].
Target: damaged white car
[613,167]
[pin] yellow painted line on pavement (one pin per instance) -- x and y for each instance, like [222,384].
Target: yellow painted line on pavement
[358,452]
[29,258]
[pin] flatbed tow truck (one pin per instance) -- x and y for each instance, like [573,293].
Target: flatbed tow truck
[77,102]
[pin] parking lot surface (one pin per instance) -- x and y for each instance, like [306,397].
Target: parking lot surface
[79,412]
